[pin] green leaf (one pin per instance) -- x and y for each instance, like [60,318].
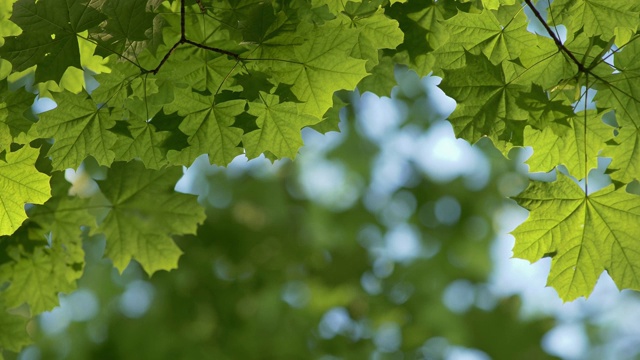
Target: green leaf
[146,142]
[57,262]
[619,91]
[487,101]
[38,277]
[123,81]
[484,34]
[279,128]
[583,234]
[200,69]
[79,127]
[127,23]
[208,126]
[331,119]
[624,152]
[429,20]
[596,17]
[545,111]
[319,66]
[48,37]
[14,331]
[7,27]
[382,78]
[572,148]
[495,4]
[145,213]
[376,32]
[62,217]
[21,184]
[546,65]
[14,106]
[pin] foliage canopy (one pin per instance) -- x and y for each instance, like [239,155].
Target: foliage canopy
[145,87]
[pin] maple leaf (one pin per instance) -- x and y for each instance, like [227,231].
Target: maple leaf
[7,27]
[621,87]
[14,106]
[80,127]
[544,111]
[319,66]
[583,233]
[13,335]
[484,34]
[618,91]
[495,4]
[208,126]
[200,69]
[596,17]
[38,277]
[381,80]
[331,119]
[122,82]
[144,213]
[279,128]
[624,152]
[545,65]
[431,18]
[21,183]
[127,22]
[377,32]
[487,101]
[144,141]
[572,147]
[48,37]
[61,218]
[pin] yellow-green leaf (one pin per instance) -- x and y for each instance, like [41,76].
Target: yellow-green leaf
[21,184]
[145,213]
[584,234]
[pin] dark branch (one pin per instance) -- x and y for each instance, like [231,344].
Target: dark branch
[165,58]
[184,40]
[210,48]
[182,21]
[555,38]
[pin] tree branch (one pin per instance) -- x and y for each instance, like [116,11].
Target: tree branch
[184,40]
[555,38]
[210,48]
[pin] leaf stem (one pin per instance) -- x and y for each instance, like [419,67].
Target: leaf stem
[586,159]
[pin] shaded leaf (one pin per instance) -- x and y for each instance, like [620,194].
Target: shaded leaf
[80,127]
[145,213]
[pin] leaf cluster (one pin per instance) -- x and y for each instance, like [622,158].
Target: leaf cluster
[142,88]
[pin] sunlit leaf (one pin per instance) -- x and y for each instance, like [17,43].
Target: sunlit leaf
[21,183]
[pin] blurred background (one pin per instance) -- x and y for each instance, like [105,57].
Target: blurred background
[388,240]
